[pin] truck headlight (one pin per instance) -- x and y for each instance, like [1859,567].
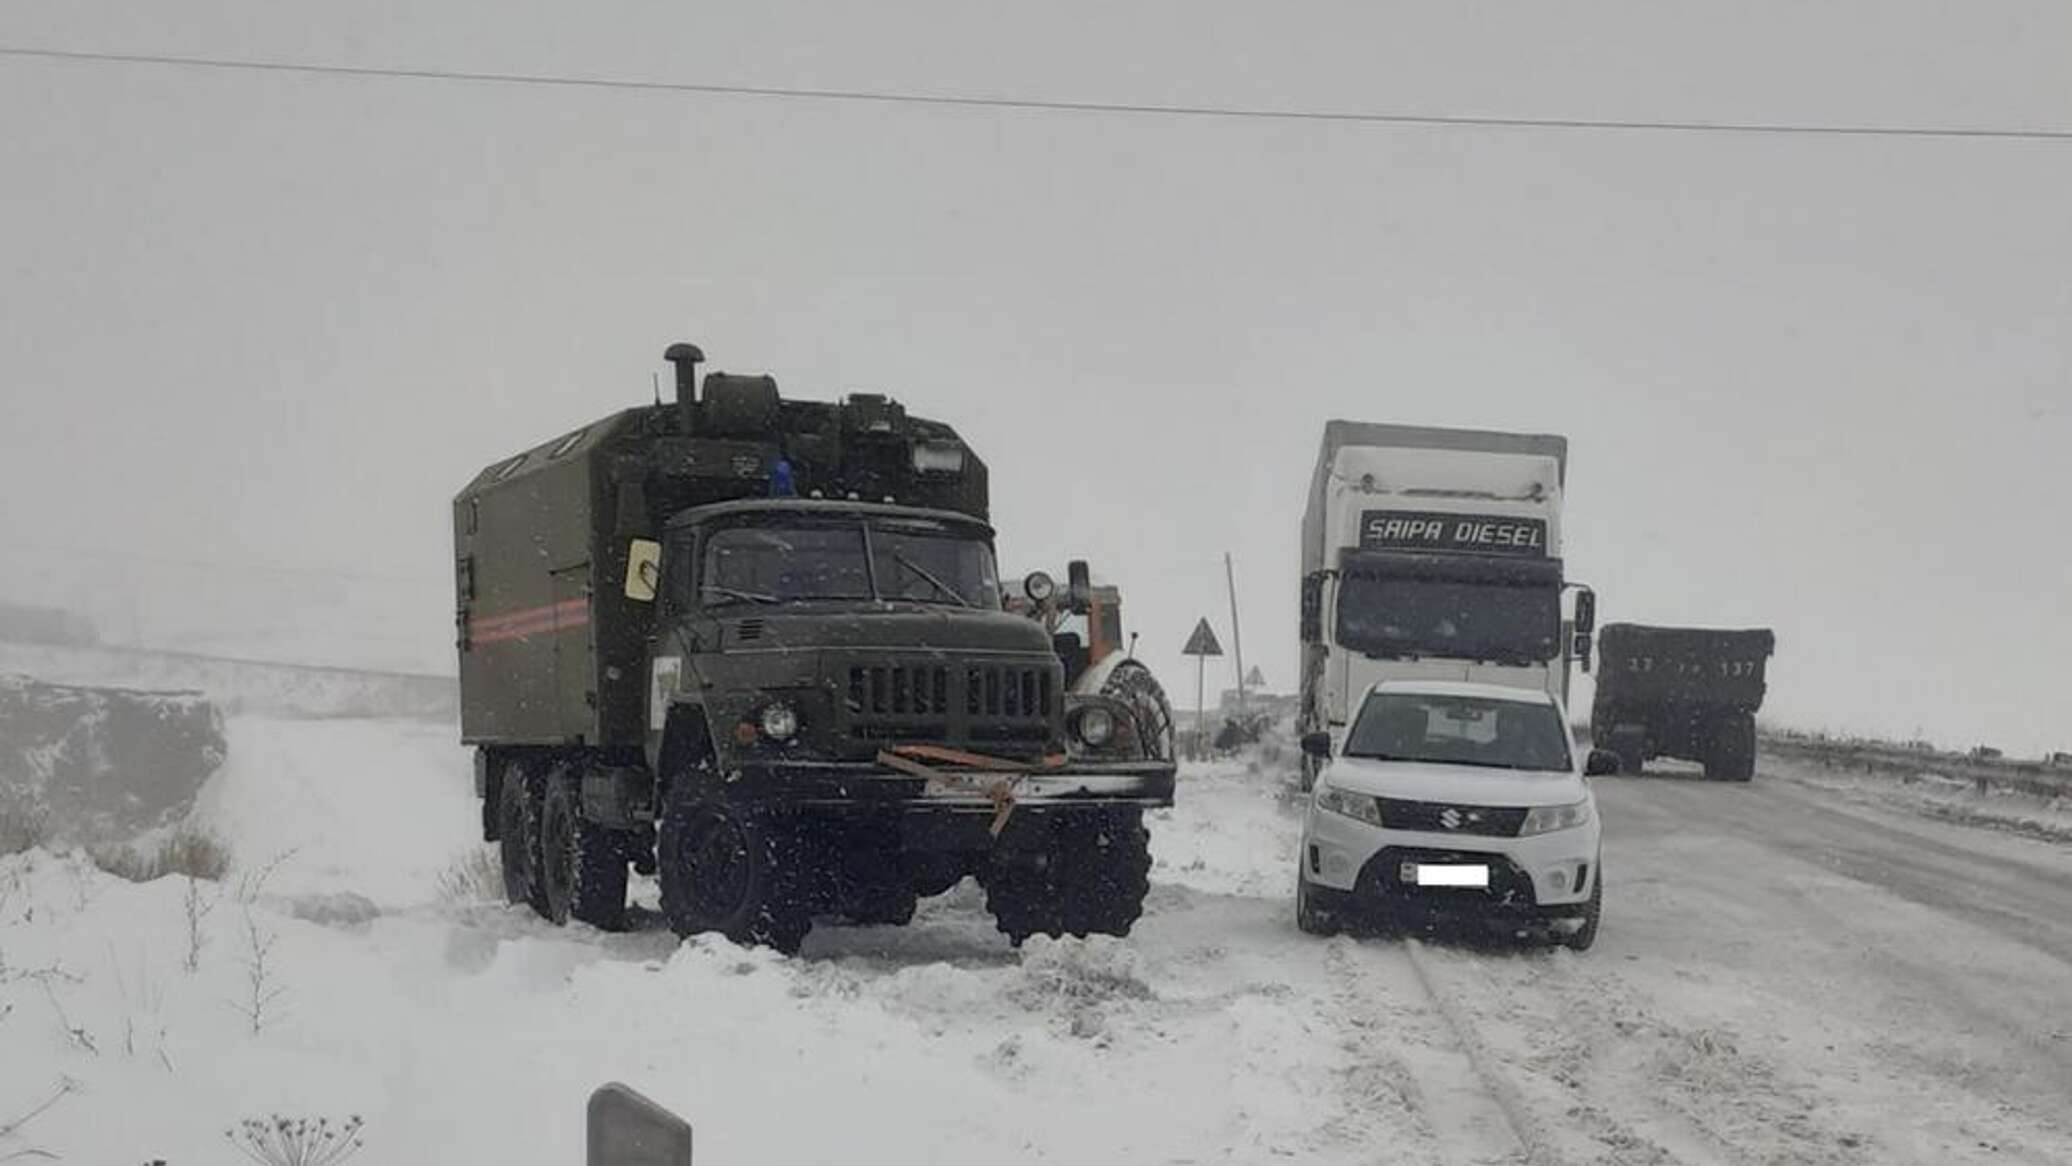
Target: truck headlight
[780,722]
[1039,586]
[1096,726]
[1345,803]
[1546,819]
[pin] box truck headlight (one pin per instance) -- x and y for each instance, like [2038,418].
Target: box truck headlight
[780,722]
[938,457]
[1096,726]
[1039,586]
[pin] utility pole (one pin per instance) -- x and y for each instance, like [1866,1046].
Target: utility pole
[1237,641]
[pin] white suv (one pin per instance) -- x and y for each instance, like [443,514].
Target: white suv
[1453,802]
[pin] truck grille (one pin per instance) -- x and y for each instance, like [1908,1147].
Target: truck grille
[992,705]
[1489,821]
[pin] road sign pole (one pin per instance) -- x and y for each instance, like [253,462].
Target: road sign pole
[1201,645]
[1237,639]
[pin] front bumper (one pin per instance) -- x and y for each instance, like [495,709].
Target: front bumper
[1349,862]
[826,784]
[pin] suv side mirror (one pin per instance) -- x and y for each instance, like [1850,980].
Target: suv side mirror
[1317,744]
[1600,763]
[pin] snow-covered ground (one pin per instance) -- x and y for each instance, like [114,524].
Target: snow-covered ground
[1783,977]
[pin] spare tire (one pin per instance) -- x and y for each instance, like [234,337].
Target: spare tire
[1133,684]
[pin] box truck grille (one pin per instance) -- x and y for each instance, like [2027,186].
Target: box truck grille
[982,705]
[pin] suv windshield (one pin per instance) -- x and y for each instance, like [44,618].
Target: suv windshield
[1460,730]
[917,562]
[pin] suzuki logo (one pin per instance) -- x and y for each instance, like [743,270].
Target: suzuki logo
[1450,818]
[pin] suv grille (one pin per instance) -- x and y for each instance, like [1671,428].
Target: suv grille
[1489,821]
[956,703]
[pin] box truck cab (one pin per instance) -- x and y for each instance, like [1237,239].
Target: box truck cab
[1434,554]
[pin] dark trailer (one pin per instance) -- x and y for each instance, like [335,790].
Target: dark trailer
[1688,693]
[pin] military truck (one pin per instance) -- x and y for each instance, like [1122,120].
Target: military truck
[1689,693]
[758,648]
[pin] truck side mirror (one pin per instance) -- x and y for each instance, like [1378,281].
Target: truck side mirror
[1600,763]
[1581,650]
[1317,745]
[1586,611]
[1079,587]
[643,569]
[626,1129]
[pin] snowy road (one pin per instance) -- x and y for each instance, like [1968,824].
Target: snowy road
[1784,975]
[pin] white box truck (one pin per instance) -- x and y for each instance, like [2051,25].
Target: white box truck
[1434,554]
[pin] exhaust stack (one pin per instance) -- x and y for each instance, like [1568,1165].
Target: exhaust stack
[686,358]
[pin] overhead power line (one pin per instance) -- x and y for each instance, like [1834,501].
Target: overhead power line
[888,97]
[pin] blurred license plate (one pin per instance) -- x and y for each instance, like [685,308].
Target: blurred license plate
[1427,874]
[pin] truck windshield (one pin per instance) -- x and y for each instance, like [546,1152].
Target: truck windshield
[777,564]
[1386,616]
[914,563]
[1460,730]
[933,566]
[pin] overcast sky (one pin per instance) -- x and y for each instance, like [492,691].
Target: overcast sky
[1823,384]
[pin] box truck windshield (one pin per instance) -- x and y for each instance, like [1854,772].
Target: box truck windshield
[1384,615]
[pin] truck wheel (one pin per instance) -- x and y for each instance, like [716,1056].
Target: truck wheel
[1586,935]
[872,890]
[1103,871]
[1021,896]
[1731,756]
[882,907]
[582,871]
[518,836]
[729,870]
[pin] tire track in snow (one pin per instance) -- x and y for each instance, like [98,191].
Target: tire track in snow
[1524,1125]
[1409,1052]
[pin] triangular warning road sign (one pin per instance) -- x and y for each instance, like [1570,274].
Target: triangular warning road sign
[1202,642]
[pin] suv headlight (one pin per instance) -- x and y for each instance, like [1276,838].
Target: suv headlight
[780,722]
[1359,807]
[1546,819]
[1096,726]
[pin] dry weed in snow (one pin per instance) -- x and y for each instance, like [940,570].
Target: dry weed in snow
[11,1128]
[476,877]
[1078,979]
[197,908]
[296,1141]
[261,979]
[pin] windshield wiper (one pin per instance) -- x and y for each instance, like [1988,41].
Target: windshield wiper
[938,584]
[736,593]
